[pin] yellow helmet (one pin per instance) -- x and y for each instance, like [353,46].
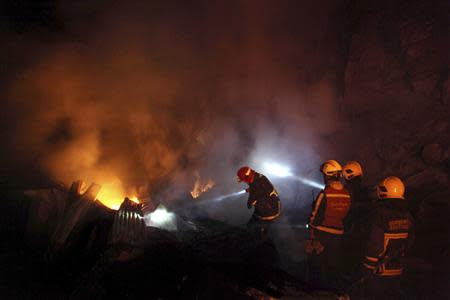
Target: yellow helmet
[391,187]
[352,169]
[331,168]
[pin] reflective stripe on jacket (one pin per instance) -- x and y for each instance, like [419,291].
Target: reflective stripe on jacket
[330,208]
[390,237]
[264,197]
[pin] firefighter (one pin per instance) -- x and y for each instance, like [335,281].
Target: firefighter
[263,197]
[353,174]
[391,235]
[356,223]
[326,228]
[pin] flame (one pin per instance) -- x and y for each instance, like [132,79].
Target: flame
[113,193]
[135,199]
[200,188]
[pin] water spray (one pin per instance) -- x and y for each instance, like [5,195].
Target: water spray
[279,171]
[220,198]
[309,182]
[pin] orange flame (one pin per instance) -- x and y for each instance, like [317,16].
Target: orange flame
[200,188]
[113,193]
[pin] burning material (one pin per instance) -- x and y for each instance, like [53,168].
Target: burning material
[200,188]
[135,199]
[79,207]
[112,194]
[129,226]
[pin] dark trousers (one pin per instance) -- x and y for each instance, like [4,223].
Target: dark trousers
[325,268]
[260,227]
[355,241]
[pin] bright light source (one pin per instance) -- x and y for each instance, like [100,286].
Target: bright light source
[161,218]
[276,169]
[160,215]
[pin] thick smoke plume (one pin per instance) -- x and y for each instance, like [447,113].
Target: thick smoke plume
[142,97]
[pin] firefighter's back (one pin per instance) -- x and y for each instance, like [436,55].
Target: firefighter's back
[391,235]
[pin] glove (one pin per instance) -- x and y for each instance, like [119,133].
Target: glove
[309,246]
[312,245]
[366,272]
[318,246]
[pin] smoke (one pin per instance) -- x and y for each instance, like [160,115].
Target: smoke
[143,96]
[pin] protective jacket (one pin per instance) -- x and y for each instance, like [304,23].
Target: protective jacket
[361,203]
[357,190]
[264,197]
[330,208]
[391,234]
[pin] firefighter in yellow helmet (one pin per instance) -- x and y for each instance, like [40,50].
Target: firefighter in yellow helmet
[326,226]
[391,235]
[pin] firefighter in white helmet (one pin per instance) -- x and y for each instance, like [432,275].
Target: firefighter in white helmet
[356,223]
[390,236]
[353,174]
[326,226]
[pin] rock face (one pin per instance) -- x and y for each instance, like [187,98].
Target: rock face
[433,154]
[396,91]
[396,100]
[396,86]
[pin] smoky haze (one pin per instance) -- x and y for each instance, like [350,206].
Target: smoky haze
[156,95]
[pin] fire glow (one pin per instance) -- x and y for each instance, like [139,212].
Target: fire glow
[200,188]
[112,194]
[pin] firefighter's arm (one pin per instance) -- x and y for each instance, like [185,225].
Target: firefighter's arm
[317,206]
[251,202]
[252,198]
[315,209]
[375,246]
